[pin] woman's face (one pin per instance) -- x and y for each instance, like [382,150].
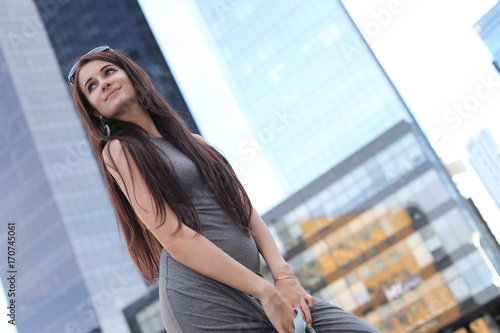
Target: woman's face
[107,88]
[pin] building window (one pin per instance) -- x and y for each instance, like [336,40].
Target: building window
[149,319]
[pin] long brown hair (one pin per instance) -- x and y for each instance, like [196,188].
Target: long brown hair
[217,173]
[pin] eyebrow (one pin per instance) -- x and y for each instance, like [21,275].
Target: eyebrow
[85,85]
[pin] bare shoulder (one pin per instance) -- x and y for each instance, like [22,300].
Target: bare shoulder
[122,167]
[113,151]
[199,137]
[112,147]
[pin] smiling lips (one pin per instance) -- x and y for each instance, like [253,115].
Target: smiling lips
[111,93]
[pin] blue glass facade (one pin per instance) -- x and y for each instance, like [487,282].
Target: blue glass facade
[484,156]
[488,29]
[380,235]
[74,273]
[292,60]
[370,219]
[43,252]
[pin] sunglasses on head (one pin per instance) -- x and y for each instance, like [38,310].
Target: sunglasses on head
[72,71]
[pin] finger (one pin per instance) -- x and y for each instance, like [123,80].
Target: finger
[306,313]
[287,329]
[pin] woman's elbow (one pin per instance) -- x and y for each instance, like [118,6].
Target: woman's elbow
[170,245]
[175,244]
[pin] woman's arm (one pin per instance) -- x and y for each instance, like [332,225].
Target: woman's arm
[264,240]
[191,249]
[267,247]
[290,289]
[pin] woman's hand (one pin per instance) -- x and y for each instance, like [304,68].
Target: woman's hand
[293,292]
[278,310]
[290,289]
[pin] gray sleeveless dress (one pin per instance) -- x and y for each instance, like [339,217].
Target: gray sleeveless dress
[192,303]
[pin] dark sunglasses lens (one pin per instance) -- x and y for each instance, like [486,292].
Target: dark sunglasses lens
[75,66]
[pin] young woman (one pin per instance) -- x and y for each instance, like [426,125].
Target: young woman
[187,220]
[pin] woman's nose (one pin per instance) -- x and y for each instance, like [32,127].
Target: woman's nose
[105,85]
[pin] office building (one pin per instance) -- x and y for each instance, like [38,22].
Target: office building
[370,219]
[393,250]
[484,156]
[143,314]
[488,29]
[73,271]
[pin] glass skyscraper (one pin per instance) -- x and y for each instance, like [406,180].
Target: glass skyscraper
[72,270]
[370,221]
[484,156]
[309,88]
[488,29]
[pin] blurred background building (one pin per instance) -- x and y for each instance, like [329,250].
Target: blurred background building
[484,156]
[143,314]
[488,29]
[74,271]
[370,219]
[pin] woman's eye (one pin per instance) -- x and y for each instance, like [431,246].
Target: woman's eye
[108,72]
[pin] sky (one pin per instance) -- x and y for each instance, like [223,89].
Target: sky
[429,49]
[433,54]
[436,59]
